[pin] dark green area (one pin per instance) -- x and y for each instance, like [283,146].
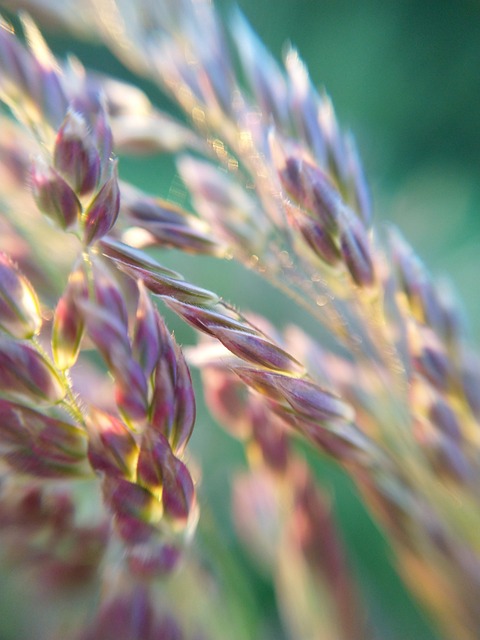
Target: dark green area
[404,76]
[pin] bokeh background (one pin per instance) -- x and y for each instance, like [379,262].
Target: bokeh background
[404,76]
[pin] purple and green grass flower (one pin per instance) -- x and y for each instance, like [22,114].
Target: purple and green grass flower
[97,403]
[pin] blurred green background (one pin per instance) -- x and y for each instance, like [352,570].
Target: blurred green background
[405,77]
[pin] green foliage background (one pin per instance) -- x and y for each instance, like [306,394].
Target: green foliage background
[404,76]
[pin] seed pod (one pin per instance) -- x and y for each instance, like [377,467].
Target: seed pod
[102,213]
[356,251]
[135,509]
[26,374]
[172,411]
[68,328]
[19,306]
[315,234]
[311,188]
[75,156]
[266,79]
[131,392]
[178,492]
[168,225]
[360,198]
[307,399]
[205,319]
[159,470]
[185,407]
[108,293]
[53,196]
[112,448]
[110,336]
[304,106]
[256,349]
[146,342]
[38,443]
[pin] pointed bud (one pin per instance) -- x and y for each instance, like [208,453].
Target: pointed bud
[131,392]
[19,306]
[126,255]
[53,196]
[56,425]
[162,406]
[103,211]
[40,444]
[311,188]
[256,349]
[110,337]
[167,224]
[157,279]
[136,510]
[13,433]
[39,464]
[324,199]
[55,103]
[25,373]
[306,398]
[185,407]
[203,318]
[155,454]
[107,290]
[58,440]
[411,274]
[304,106]
[183,237]
[67,332]
[356,251]
[312,401]
[163,285]
[172,411]
[145,343]
[49,97]
[75,156]
[108,333]
[21,71]
[361,191]
[112,448]
[266,79]
[315,234]
[102,134]
[159,469]
[178,492]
